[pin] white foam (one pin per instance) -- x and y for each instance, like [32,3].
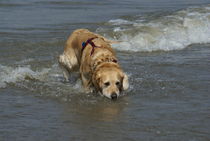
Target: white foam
[172,32]
[120,22]
[15,74]
[24,61]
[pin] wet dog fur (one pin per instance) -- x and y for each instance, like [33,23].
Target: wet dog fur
[99,70]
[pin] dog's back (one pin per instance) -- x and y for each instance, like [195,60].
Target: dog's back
[71,57]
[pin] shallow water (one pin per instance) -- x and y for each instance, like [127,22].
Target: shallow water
[165,51]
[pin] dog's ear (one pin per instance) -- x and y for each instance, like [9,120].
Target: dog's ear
[125,83]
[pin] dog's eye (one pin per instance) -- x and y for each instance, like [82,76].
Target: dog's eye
[117,83]
[107,84]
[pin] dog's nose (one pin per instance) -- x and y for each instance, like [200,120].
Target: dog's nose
[114,96]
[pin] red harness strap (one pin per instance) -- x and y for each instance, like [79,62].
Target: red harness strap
[89,41]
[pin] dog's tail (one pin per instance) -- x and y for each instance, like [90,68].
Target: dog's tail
[108,41]
[112,41]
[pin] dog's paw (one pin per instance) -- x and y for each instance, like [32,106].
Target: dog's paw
[88,90]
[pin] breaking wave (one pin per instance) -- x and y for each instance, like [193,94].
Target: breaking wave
[45,82]
[11,75]
[158,31]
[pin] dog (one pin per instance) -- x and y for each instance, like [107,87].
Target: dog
[91,54]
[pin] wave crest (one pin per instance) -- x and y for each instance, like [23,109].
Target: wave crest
[166,32]
[12,75]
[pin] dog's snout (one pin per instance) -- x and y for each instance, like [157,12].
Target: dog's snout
[114,96]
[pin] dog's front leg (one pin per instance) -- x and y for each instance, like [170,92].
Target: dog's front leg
[86,84]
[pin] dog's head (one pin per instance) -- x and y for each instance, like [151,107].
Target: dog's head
[111,82]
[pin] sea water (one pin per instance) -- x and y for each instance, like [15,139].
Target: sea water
[163,47]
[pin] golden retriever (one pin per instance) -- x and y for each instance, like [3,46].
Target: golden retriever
[92,55]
